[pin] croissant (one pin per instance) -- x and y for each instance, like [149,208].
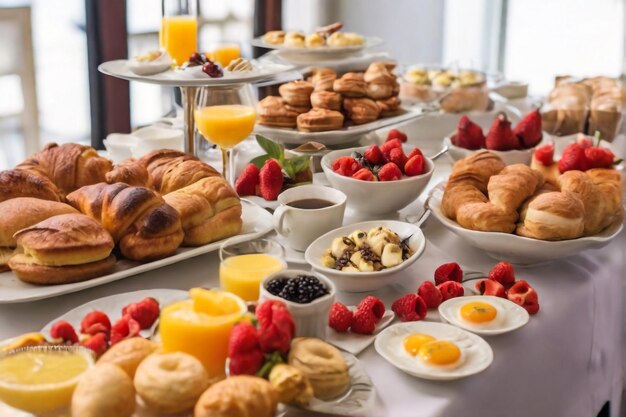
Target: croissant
[596,211]
[130,172]
[16,183]
[157,162]
[144,226]
[172,170]
[514,184]
[609,181]
[553,216]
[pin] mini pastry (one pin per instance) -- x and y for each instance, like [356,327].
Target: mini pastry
[104,391]
[320,120]
[298,109]
[389,107]
[378,91]
[296,93]
[353,39]
[294,40]
[314,40]
[417,75]
[291,385]
[326,100]
[239,65]
[238,396]
[377,72]
[129,353]
[274,37]
[170,382]
[351,84]
[553,216]
[273,112]
[322,364]
[361,110]
[323,79]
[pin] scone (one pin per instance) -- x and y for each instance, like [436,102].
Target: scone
[314,40]
[238,396]
[326,100]
[320,120]
[291,385]
[274,37]
[104,391]
[296,93]
[129,353]
[273,112]
[294,40]
[351,84]
[361,110]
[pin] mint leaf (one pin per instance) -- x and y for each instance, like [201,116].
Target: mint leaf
[273,149]
[288,168]
[299,163]
[259,161]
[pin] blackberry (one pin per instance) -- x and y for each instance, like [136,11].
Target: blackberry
[276,285]
[302,289]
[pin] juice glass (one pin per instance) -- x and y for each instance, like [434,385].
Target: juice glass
[224,52]
[179,29]
[244,265]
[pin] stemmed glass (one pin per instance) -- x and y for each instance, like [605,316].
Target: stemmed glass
[225,116]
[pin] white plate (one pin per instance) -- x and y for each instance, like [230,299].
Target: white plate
[119,68]
[353,342]
[322,52]
[347,135]
[341,65]
[513,316]
[477,354]
[518,249]
[256,222]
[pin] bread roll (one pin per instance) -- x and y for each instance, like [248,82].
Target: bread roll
[129,353]
[104,391]
[238,396]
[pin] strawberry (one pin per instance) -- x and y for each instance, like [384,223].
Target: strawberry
[448,272]
[145,312]
[63,330]
[414,166]
[468,134]
[346,166]
[244,350]
[339,317]
[276,326]
[386,147]
[97,343]
[584,141]
[373,304]
[410,307]
[363,322]
[528,130]
[451,289]
[502,272]
[389,172]
[270,180]
[374,155]
[95,322]
[490,287]
[598,157]
[545,154]
[364,174]
[430,294]
[573,158]
[415,151]
[500,136]
[124,328]
[248,180]
[523,294]
[396,134]
[397,156]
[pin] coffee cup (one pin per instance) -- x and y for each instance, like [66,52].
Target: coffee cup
[308,211]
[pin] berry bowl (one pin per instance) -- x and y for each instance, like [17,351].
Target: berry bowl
[377,197]
[309,317]
[514,156]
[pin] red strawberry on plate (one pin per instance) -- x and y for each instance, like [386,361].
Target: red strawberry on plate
[389,172]
[248,180]
[145,312]
[503,273]
[500,136]
[451,289]
[340,317]
[430,294]
[64,330]
[397,156]
[374,155]
[528,130]
[97,343]
[468,135]
[346,166]
[276,326]
[490,287]
[373,304]
[270,180]
[573,158]
[364,174]
[544,154]
[598,157]
[410,307]
[396,134]
[450,271]
[363,322]
[584,141]
[244,351]
[414,166]
[124,328]
[95,322]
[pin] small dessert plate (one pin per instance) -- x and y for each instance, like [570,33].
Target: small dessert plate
[156,66]
[356,343]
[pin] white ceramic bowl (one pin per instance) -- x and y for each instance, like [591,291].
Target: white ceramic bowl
[514,156]
[365,281]
[518,249]
[377,197]
[119,146]
[311,319]
[151,138]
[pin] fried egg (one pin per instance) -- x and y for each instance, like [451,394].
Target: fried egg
[481,315]
[430,352]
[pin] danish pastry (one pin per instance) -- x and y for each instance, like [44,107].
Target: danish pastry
[296,93]
[361,110]
[323,79]
[351,84]
[294,40]
[320,120]
[389,107]
[273,112]
[326,100]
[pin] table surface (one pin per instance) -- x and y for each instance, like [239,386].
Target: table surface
[565,362]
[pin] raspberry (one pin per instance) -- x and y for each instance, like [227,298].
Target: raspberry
[386,147]
[389,172]
[396,134]
[397,156]
[414,166]
[448,272]
[451,289]
[490,287]
[410,307]
[430,294]
[97,343]
[524,295]
[346,166]
[374,305]
[414,152]
[63,330]
[373,155]
[95,322]
[339,317]
[124,328]
[363,322]
[364,174]
[503,273]
[545,154]
[145,312]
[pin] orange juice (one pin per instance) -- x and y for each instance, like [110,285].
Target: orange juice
[242,274]
[201,327]
[225,125]
[225,53]
[180,37]
[162,34]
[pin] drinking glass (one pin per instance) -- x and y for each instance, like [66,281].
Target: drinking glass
[179,29]
[243,265]
[225,115]
[224,52]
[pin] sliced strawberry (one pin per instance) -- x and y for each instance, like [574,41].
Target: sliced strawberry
[468,135]
[451,289]
[346,166]
[430,294]
[270,180]
[523,294]
[97,343]
[410,307]
[95,322]
[414,166]
[248,180]
[145,312]
[500,136]
[124,328]
[364,174]
[544,154]
[396,134]
[374,155]
[528,130]
[389,172]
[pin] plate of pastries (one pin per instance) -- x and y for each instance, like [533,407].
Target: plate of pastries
[73,220]
[514,213]
[331,108]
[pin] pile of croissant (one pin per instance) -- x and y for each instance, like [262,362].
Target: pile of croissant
[484,194]
[66,209]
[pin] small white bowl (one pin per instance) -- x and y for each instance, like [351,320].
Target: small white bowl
[311,319]
[152,138]
[365,281]
[377,197]
[119,146]
[514,156]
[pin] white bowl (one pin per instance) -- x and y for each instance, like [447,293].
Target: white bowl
[514,156]
[518,249]
[311,319]
[365,281]
[377,197]
[119,146]
[152,138]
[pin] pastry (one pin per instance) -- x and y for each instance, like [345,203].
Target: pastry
[353,39]
[351,84]
[314,40]
[513,185]
[594,202]
[159,161]
[170,382]
[322,364]
[129,353]
[298,109]
[130,172]
[320,120]
[238,396]
[609,181]
[172,170]
[459,100]
[239,65]
[274,37]
[291,385]
[145,227]
[378,91]
[273,112]
[389,107]
[326,100]
[553,216]
[104,391]
[17,183]
[296,93]
[62,249]
[361,110]
[323,79]
[294,40]
[378,73]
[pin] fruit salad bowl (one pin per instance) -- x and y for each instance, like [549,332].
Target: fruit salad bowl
[377,197]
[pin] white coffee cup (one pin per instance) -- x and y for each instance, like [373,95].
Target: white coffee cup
[301,226]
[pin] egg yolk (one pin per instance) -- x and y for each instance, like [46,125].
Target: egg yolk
[439,352]
[478,312]
[413,342]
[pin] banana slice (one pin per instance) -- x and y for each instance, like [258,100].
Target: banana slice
[359,237]
[341,245]
[392,255]
[327,259]
[361,264]
[349,268]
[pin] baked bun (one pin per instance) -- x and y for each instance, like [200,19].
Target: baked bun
[379,73]
[104,391]
[320,120]
[16,183]
[129,353]
[273,112]
[296,93]
[291,385]
[326,100]
[553,216]
[389,107]
[361,110]
[238,396]
[274,37]
[323,79]
[351,84]
[294,40]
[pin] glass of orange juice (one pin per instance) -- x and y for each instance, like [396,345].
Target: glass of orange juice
[179,29]
[224,52]
[243,265]
[225,116]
